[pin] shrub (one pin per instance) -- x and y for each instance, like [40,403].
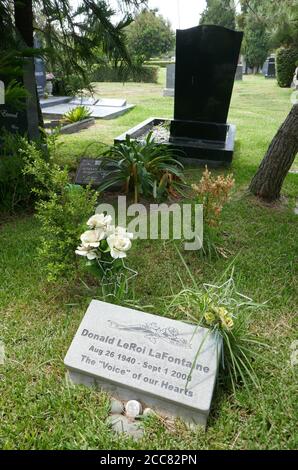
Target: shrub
[286,58]
[213,193]
[61,209]
[147,169]
[71,85]
[107,73]
[159,63]
[77,114]
[15,187]
[145,74]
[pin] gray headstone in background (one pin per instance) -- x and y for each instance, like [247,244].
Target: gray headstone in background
[170,80]
[239,72]
[83,101]
[40,70]
[269,68]
[139,356]
[105,102]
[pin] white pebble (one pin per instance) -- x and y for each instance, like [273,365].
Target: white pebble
[133,408]
[148,412]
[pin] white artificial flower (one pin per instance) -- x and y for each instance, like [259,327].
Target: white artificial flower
[119,242]
[85,251]
[100,221]
[92,238]
[101,224]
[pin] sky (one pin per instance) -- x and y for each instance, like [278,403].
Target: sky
[182,14]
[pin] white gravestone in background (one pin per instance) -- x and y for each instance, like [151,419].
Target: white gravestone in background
[139,356]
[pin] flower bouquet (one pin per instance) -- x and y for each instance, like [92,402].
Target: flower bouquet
[105,247]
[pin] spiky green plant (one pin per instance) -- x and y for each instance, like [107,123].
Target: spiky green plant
[79,113]
[147,169]
[227,314]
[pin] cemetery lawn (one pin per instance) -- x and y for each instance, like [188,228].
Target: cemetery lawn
[39,410]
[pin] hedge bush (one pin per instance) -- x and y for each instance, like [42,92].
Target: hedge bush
[286,58]
[159,63]
[107,73]
[15,187]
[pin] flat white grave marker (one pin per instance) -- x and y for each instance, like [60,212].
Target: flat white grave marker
[136,355]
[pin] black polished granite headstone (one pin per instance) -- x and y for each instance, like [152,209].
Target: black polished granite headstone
[206,63]
[11,119]
[40,69]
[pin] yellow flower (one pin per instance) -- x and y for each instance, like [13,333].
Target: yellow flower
[229,323]
[223,313]
[209,317]
[225,317]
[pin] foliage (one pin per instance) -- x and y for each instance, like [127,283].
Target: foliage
[72,84]
[219,12]
[107,73]
[227,314]
[75,38]
[286,59]
[159,63]
[15,187]
[61,209]
[72,37]
[255,42]
[279,24]
[284,28]
[79,113]
[146,169]
[213,193]
[150,35]
[11,71]
[15,95]
[48,315]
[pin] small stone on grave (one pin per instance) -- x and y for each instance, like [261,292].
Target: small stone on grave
[133,408]
[116,407]
[122,425]
[149,412]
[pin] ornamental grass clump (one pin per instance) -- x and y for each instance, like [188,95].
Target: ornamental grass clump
[227,314]
[213,192]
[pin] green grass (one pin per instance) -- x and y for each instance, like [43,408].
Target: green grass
[39,410]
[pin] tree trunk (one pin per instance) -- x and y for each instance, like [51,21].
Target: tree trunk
[268,181]
[23,14]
